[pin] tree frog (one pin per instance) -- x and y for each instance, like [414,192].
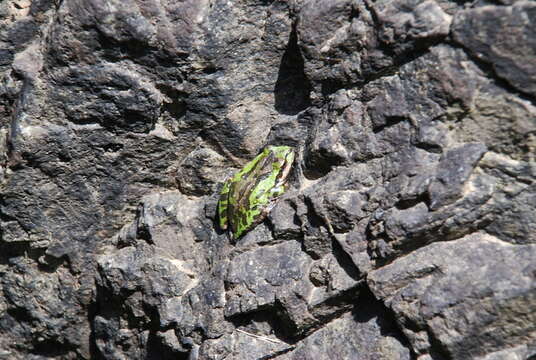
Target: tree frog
[248,196]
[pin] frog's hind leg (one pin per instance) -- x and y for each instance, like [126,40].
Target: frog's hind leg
[223,206]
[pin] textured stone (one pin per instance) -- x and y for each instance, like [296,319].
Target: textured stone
[133,280]
[508,44]
[406,22]
[453,171]
[473,296]
[352,336]
[411,200]
[346,42]
[259,278]
[240,343]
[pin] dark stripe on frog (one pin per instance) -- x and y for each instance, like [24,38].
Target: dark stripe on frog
[258,201]
[242,181]
[245,213]
[242,190]
[223,206]
[237,190]
[288,161]
[240,211]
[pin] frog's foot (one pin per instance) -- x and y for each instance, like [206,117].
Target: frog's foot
[264,213]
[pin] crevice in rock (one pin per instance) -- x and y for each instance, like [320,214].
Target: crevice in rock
[409,203]
[92,311]
[343,302]
[19,248]
[424,48]
[276,354]
[292,88]
[368,306]
[320,162]
[345,261]
[390,121]
[330,86]
[158,351]
[51,348]
[280,325]
[431,148]
[22,315]
[177,107]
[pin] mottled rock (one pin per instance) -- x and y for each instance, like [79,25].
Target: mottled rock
[40,310]
[131,102]
[325,29]
[453,171]
[240,343]
[346,42]
[406,23]
[413,123]
[284,221]
[260,278]
[504,37]
[352,336]
[472,296]
[516,352]
[129,281]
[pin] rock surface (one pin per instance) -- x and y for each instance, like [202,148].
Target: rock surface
[408,231]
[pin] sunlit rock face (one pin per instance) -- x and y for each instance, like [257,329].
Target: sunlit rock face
[408,227]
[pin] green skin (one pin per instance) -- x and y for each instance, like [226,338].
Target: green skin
[247,197]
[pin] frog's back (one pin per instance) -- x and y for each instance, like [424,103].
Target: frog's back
[250,192]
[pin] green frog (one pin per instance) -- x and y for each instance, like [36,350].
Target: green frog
[248,196]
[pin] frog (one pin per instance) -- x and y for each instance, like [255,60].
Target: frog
[250,194]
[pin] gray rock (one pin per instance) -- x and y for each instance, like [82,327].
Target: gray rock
[472,296]
[352,336]
[129,281]
[257,279]
[324,30]
[517,352]
[453,171]
[412,198]
[515,202]
[240,343]
[40,310]
[284,221]
[406,23]
[347,42]
[508,44]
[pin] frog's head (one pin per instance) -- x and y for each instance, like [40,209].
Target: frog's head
[283,158]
